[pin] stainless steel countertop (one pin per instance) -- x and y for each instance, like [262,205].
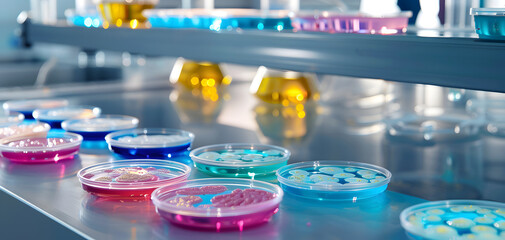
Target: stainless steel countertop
[466,169]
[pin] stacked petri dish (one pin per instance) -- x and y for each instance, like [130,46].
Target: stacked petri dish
[333,180]
[489,22]
[239,159]
[219,19]
[217,203]
[336,22]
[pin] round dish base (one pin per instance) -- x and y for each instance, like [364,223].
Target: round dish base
[152,153]
[112,193]
[334,196]
[221,223]
[238,172]
[41,156]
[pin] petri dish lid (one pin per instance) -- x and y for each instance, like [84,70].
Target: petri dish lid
[149,138]
[10,118]
[434,124]
[32,104]
[55,142]
[212,186]
[311,176]
[18,132]
[240,155]
[134,174]
[64,113]
[487,11]
[468,213]
[103,123]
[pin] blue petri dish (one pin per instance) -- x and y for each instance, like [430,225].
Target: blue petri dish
[333,180]
[219,19]
[489,22]
[55,116]
[95,129]
[26,107]
[151,143]
[457,219]
[240,159]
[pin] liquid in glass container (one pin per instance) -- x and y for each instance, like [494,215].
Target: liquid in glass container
[124,13]
[284,87]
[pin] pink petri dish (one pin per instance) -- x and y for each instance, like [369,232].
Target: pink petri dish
[53,148]
[335,22]
[218,203]
[19,132]
[131,178]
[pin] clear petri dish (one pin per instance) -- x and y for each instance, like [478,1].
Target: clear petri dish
[218,203]
[98,128]
[19,132]
[26,107]
[55,116]
[131,178]
[489,22]
[157,143]
[455,219]
[10,118]
[337,22]
[239,159]
[431,128]
[219,19]
[55,147]
[333,180]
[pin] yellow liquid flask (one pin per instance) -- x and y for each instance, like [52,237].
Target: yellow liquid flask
[284,87]
[205,79]
[124,13]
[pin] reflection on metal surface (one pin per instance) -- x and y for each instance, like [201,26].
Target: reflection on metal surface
[448,170]
[193,107]
[279,122]
[97,213]
[205,77]
[43,171]
[284,87]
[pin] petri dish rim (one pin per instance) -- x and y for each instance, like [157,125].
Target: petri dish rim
[77,141]
[67,124]
[148,131]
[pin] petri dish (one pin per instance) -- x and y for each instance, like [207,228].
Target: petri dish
[218,203]
[431,128]
[219,19]
[131,178]
[26,107]
[55,147]
[10,118]
[239,159]
[455,219]
[55,116]
[18,132]
[98,128]
[157,143]
[489,22]
[336,22]
[333,180]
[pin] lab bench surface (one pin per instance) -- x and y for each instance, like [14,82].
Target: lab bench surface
[469,169]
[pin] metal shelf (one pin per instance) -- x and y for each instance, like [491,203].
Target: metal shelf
[453,62]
